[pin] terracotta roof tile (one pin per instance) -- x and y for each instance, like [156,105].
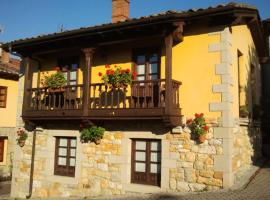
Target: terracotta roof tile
[169,12]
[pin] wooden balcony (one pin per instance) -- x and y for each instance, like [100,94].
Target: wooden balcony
[140,100]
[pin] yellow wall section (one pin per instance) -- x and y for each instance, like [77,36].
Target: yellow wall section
[192,64]
[242,41]
[8,114]
[195,68]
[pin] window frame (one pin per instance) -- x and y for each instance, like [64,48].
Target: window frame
[2,149]
[5,96]
[147,52]
[64,170]
[69,61]
[148,175]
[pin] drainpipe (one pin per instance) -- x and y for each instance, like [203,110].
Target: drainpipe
[32,165]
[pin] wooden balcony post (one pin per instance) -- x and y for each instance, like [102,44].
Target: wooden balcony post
[88,52]
[168,73]
[28,74]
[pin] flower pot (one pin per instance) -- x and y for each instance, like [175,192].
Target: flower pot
[54,90]
[21,143]
[202,138]
[97,141]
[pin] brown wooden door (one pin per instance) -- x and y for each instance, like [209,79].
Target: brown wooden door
[146,161]
[2,149]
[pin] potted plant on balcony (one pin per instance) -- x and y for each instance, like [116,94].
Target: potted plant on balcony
[198,127]
[55,81]
[117,77]
[92,134]
[21,137]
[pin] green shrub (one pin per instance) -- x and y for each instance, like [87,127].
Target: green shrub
[56,80]
[92,134]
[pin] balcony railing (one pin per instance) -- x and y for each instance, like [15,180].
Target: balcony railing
[141,98]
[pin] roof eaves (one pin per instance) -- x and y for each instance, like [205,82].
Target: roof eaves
[109,26]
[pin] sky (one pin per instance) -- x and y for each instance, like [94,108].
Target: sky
[27,18]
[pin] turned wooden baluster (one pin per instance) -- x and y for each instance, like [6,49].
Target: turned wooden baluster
[112,94]
[94,96]
[106,96]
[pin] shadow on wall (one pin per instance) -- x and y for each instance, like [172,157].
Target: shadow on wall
[253,103]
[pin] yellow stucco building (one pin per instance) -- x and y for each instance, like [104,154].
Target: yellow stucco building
[9,76]
[205,61]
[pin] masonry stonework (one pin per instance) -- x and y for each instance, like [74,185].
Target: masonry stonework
[6,166]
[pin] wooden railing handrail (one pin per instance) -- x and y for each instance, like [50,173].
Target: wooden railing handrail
[44,88]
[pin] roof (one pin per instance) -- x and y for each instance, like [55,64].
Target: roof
[9,71]
[171,13]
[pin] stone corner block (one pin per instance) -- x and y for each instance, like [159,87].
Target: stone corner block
[222,132]
[227,97]
[223,68]
[221,106]
[221,88]
[214,48]
[223,163]
[227,79]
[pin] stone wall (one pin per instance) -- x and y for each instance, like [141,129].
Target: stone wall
[101,169]
[194,169]
[95,173]
[6,166]
[247,146]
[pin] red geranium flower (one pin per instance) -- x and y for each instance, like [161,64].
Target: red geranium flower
[197,115]
[112,72]
[127,70]
[99,73]
[206,128]
[134,74]
[189,121]
[108,72]
[107,66]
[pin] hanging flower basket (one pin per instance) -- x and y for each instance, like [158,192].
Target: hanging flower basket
[21,143]
[198,127]
[202,138]
[21,137]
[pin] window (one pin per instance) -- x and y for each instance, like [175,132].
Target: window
[147,65]
[3,96]
[65,156]
[2,142]
[69,66]
[146,162]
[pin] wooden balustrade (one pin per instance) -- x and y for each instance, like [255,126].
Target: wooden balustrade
[67,97]
[142,99]
[140,94]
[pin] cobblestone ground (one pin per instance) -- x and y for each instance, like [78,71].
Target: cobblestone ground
[257,189]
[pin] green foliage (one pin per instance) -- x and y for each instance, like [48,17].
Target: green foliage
[56,80]
[118,77]
[92,134]
[21,135]
[198,125]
